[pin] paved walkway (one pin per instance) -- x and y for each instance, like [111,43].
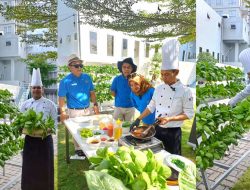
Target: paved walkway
[235,153]
[12,178]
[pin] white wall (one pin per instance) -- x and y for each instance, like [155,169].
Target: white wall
[208,34]
[68,28]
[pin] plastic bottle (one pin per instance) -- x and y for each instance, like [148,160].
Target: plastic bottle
[118,129]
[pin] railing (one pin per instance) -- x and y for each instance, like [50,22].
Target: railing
[23,95]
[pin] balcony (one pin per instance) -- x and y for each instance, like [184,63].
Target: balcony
[11,47]
[235,29]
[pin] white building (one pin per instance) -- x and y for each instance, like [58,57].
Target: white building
[235,27]
[97,46]
[208,30]
[11,49]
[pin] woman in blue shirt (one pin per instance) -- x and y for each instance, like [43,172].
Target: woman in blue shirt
[142,92]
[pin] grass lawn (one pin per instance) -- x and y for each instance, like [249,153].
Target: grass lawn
[244,182]
[71,176]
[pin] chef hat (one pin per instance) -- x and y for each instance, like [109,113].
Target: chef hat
[170,54]
[244,58]
[36,78]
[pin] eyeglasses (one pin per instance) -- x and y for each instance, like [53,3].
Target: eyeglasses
[37,87]
[132,75]
[77,66]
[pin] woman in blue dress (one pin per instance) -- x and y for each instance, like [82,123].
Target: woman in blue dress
[142,92]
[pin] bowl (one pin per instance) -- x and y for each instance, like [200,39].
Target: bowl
[104,139]
[110,141]
[85,133]
[81,119]
[98,132]
[93,142]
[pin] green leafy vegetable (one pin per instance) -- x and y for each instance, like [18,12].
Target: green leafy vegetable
[99,180]
[136,169]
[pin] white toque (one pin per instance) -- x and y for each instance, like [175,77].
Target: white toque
[36,78]
[244,58]
[170,54]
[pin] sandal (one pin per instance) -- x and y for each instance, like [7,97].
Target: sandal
[79,152]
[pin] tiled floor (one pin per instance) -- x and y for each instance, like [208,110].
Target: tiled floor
[12,178]
[234,154]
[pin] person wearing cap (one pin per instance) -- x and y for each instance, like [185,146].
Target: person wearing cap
[244,58]
[120,89]
[38,153]
[78,89]
[142,92]
[172,101]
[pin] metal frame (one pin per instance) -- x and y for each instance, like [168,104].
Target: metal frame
[14,179]
[210,186]
[67,145]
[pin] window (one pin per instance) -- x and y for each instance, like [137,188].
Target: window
[207,50]
[8,43]
[147,50]
[232,2]
[200,49]
[218,2]
[218,57]
[233,26]
[110,45]
[124,47]
[136,49]
[183,55]
[75,36]
[232,13]
[93,42]
[60,41]
[5,4]
[7,29]
[213,54]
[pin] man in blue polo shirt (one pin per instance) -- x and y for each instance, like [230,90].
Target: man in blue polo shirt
[121,90]
[78,89]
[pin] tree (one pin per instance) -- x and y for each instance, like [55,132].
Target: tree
[173,17]
[31,15]
[42,61]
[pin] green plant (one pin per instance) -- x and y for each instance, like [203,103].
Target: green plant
[155,66]
[206,57]
[99,180]
[136,169]
[214,123]
[43,61]
[214,91]
[210,72]
[32,121]
[10,138]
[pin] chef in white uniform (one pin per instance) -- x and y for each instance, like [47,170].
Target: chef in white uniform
[172,101]
[38,153]
[244,58]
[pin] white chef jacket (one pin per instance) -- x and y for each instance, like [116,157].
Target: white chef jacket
[240,96]
[170,102]
[41,105]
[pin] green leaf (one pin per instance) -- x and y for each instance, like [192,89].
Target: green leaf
[99,180]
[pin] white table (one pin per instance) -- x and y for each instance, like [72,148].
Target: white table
[73,127]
